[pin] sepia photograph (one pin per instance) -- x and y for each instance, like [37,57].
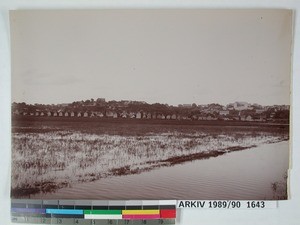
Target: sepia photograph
[120,104]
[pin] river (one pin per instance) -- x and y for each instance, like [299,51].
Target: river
[240,175]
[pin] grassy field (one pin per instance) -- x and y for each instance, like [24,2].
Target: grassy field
[48,154]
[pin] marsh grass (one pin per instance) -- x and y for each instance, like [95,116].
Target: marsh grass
[53,157]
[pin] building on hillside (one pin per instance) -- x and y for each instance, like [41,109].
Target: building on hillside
[249,118]
[211,117]
[259,111]
[138,115]
[132,115]
[100,100]
[195,117]
[16,112]
[99,114]
[224,112]
[149,116]
[154,116]
[63,105]
[93,114]
[240,105]
[201,117]
[109,114]
[185,105]
[115,115]
[144,115]
[160,116]
[124,115]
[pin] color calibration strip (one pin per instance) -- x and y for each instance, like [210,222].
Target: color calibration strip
[93,212]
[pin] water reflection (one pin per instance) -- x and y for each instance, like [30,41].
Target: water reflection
[241,175]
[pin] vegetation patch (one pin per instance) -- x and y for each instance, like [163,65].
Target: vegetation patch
[54,157]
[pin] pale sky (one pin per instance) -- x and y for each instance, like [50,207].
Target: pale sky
[165,56]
